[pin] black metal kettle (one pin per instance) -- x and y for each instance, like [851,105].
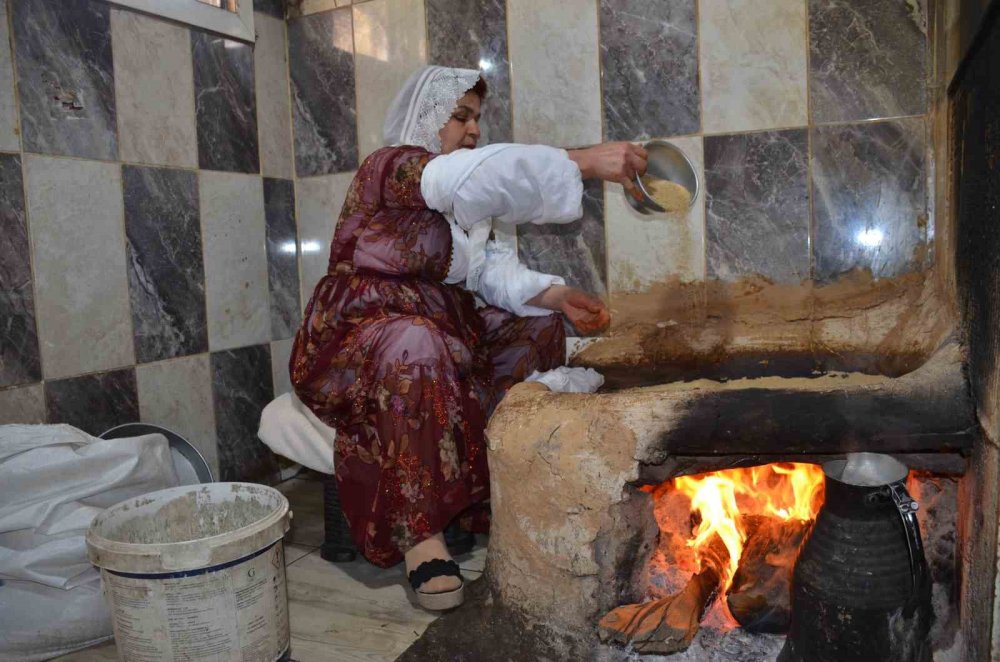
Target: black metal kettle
[861,588]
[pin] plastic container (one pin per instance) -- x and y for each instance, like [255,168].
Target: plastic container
[196,573]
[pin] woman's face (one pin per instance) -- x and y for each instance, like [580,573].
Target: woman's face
[462,130]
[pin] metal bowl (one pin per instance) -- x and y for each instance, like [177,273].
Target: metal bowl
[669,162]
[189,463]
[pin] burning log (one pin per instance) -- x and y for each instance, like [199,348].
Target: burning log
[668,625]
[760,595]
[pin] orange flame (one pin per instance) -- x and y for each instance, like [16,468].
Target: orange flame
[721,498]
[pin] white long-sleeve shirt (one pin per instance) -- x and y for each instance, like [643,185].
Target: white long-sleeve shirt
[510,183]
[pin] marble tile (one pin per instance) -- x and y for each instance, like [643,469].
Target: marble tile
[281,351]
[274,115]
[649,58]
[233,238]
[177,394]
[10,139]
[24,404]
[473,35]
[275,8]
[870,200]
[155,90]
[282,257]
[319,202]
[757,209]
[644,250]
[20,361]
[557,86]
[225,103]
[241,388]
[81,286]
[390,41]
[753,64]
[575,251]
[65,77]
[306,499]
[93,403]
[321,58]
[166,275]
[867,59]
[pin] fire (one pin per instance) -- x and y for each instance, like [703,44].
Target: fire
[786,491]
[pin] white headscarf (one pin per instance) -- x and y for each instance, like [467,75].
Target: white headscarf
[425,104]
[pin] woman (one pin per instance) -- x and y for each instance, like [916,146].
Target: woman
[394,353]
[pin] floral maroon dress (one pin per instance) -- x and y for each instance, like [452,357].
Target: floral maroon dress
[404,366]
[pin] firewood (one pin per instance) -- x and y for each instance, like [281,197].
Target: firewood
[668,625]
[760,595]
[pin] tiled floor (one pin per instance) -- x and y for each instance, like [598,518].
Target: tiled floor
[338,612]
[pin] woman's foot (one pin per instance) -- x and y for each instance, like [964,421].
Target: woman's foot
[428,550]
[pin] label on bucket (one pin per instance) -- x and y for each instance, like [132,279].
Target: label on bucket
[237,613]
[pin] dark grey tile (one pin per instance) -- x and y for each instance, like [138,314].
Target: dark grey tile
[241,388]
[66,81]
[225,103]
[867,59]
[323,103]
[576,251]
[649,57]
[20,362]
[757,205]
[275,8]
[166,274]
[93,403]
[870,198]
[473,35]
[282,257]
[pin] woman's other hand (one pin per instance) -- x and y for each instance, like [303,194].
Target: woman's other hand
[613,162]
[587,313]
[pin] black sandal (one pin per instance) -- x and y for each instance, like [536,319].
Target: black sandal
[437,568]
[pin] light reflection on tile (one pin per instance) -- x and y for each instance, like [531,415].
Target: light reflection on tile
[319,201]
[870,200]
[282,257]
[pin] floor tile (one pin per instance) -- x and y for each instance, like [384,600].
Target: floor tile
[306,500]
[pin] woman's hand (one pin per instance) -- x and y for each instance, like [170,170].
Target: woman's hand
[587,313]
[613,162]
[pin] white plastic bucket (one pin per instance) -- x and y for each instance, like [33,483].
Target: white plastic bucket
[196,573]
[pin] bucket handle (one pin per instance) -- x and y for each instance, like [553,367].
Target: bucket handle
[907,507]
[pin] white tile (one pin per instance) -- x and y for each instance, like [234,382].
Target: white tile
[233,230]
[24,404]
[390,42]
[154,90]
[177,394]
[753,64]
[556,86]
[319,200]
[274,118]
[9,140]
[643,250]
[281,350]
[81,290]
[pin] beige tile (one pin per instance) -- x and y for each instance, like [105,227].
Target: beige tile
[9,138]
[306,500]
[154,90]
[556,88]
[319,200]
[350,611]
[177,394]
[81,292]
[643,250]
[236,292]
[753,64]
[105,652]
[390,42]
[274,117]
[295,552]
[24,404]
[281,350]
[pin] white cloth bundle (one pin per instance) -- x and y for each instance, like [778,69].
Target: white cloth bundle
[569,380]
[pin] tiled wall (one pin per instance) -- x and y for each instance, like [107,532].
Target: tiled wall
[152,201]
[148,251]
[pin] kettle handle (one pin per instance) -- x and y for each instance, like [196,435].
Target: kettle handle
[907,508]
